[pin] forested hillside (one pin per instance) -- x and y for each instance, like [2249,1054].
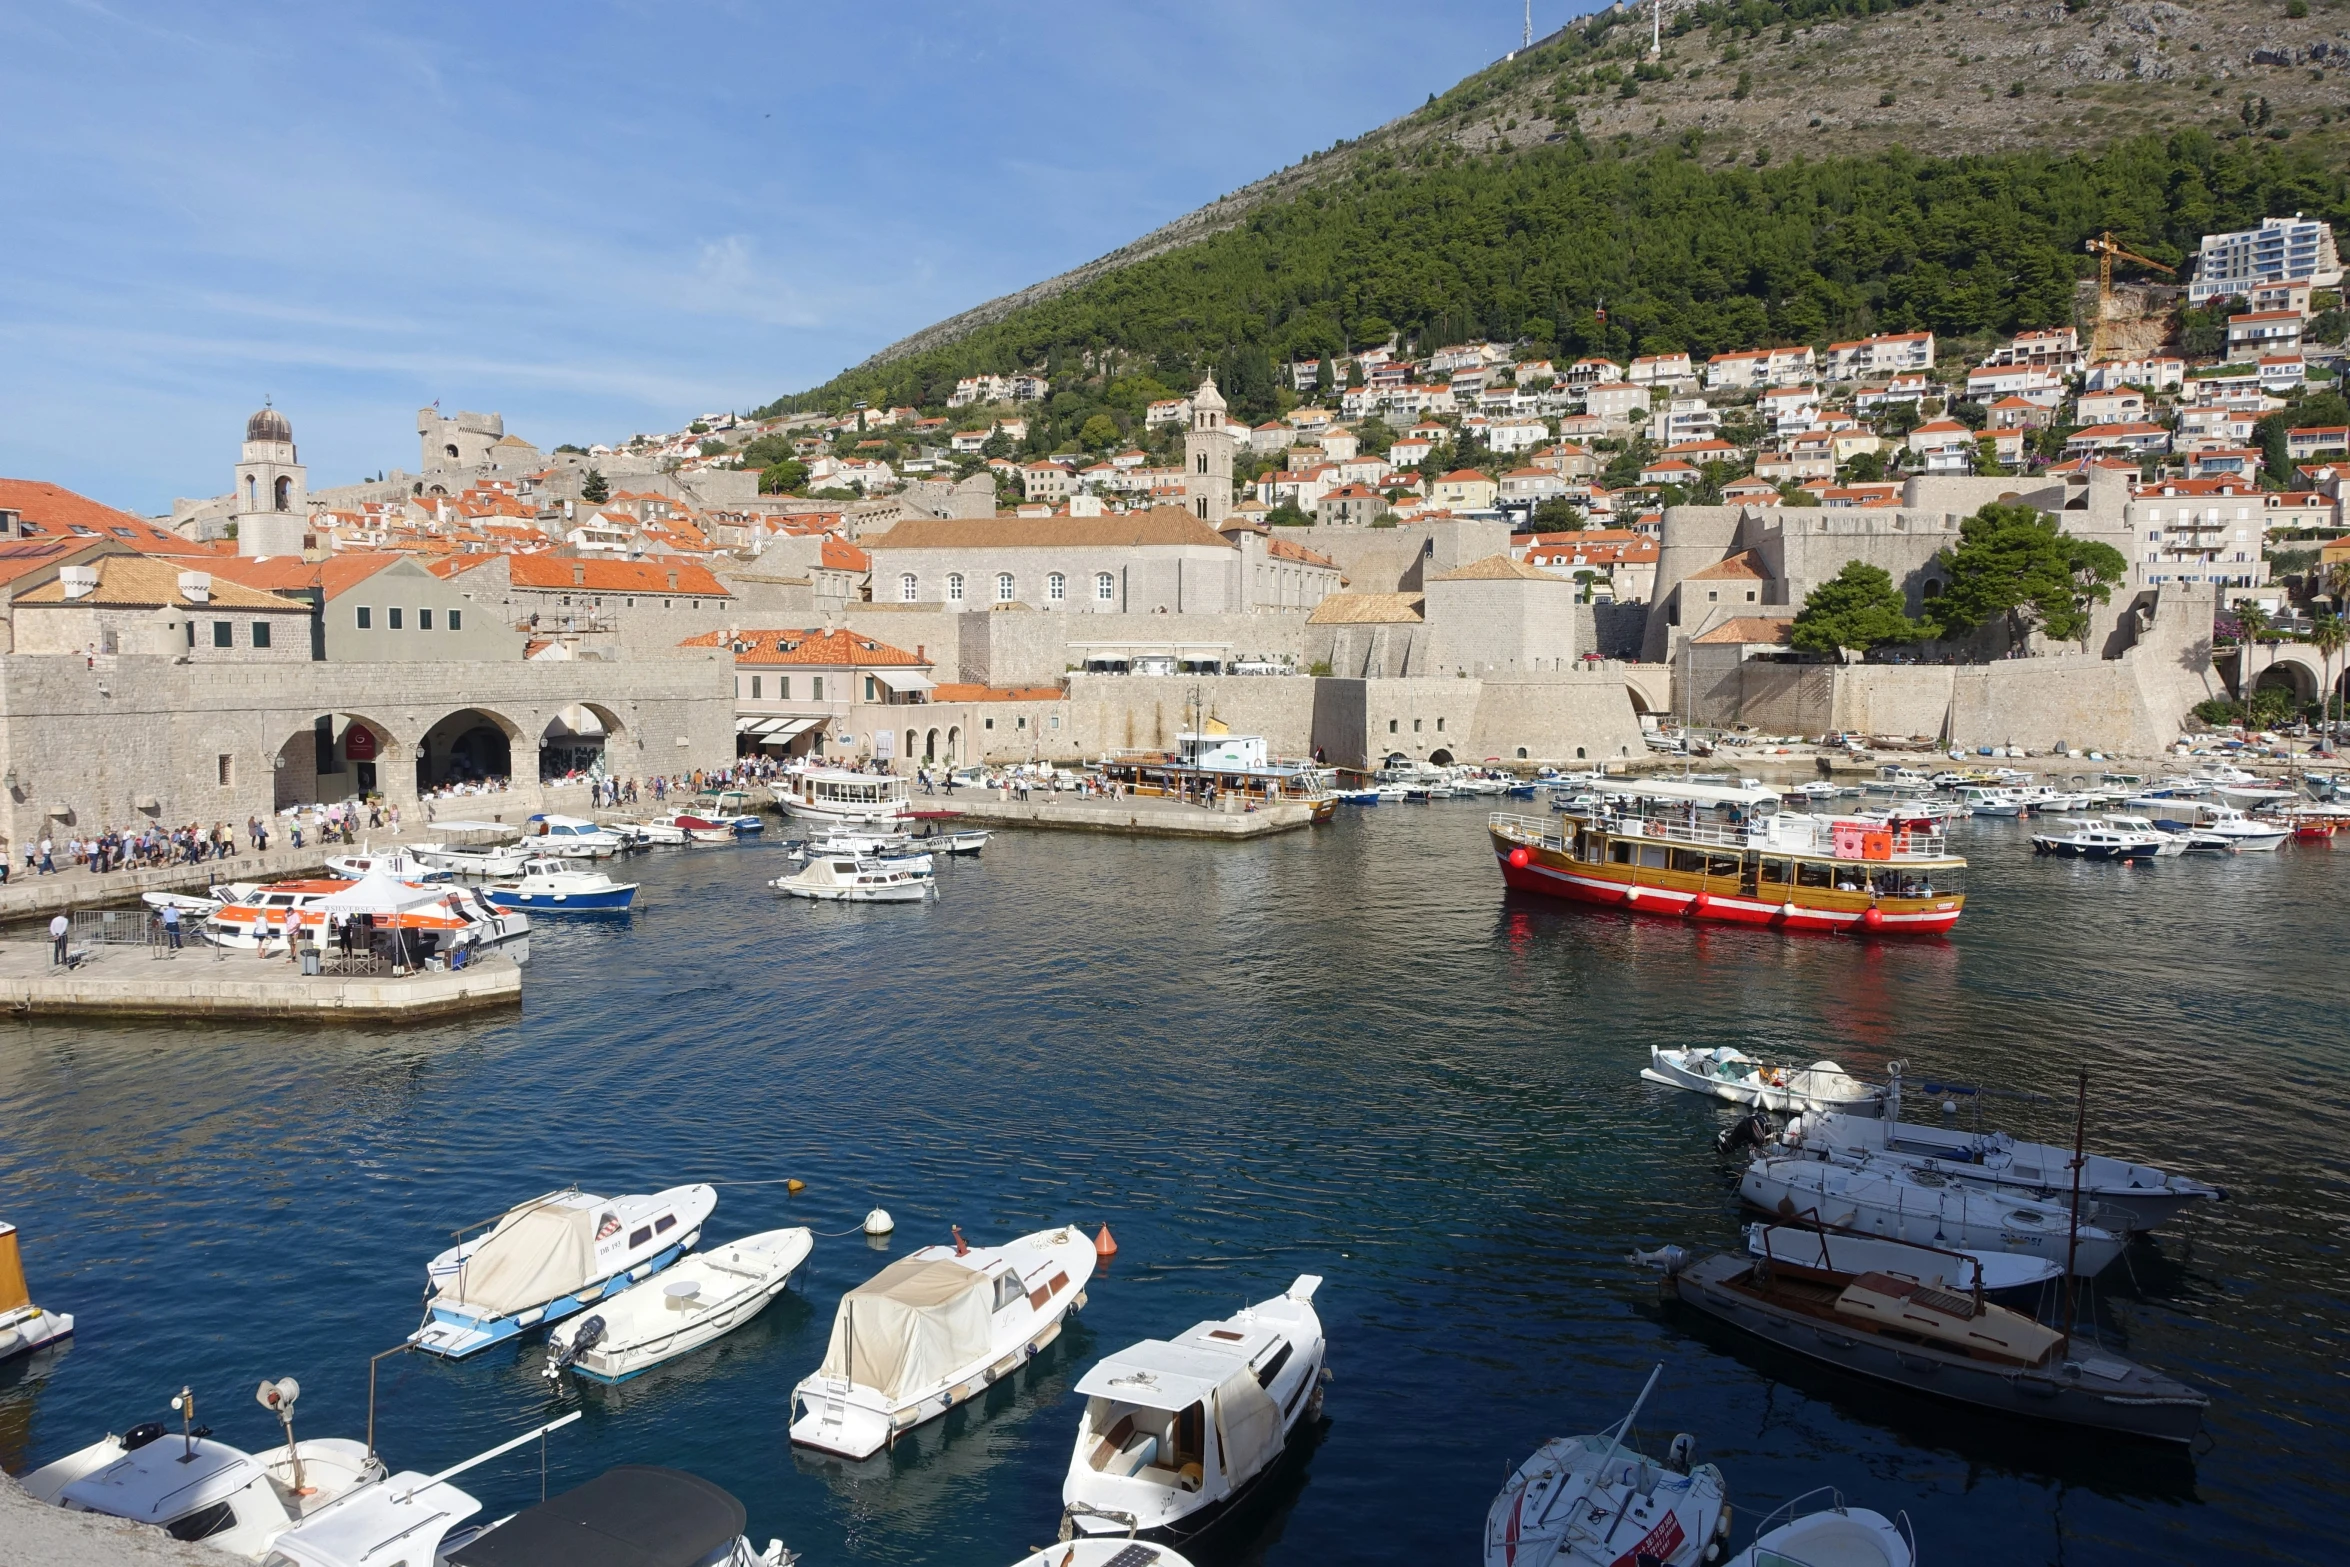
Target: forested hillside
[1441,245]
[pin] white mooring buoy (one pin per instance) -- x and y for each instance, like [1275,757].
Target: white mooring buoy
[878,1222]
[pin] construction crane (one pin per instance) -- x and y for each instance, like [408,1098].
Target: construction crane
[2107,251]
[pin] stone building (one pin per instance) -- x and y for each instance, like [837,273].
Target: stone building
[603,609]
[381,608]
[1500,617]
[144,605]
[1208,443]
[272,490]
[471,445]
[1164,561]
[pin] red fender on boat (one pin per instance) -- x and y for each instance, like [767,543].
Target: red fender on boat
[1519,857]
[1702,902]
[1873,919]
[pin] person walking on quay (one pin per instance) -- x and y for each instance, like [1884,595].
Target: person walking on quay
[171,928]
[58,928]
[48,862]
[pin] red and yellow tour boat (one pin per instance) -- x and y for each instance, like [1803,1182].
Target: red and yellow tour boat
[1699,851]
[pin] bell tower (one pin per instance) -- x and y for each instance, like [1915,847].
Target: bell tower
[1207,457]
[272,489]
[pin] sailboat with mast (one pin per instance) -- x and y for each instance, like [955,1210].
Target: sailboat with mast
[1595,1501]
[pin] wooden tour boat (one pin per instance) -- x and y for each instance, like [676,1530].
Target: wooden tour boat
[1702,851]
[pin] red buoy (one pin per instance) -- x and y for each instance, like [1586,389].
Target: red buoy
[1702,902]
[1104,1245]
[1519,857]
[1872,919]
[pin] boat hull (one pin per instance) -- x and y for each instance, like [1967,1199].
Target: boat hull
[611,901]
[2137,1403]
[676,1333]
[1612,886]
[28,1328]
[453,1335]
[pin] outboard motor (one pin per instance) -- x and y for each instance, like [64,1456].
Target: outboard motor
[1667,1260]
[1754,1131]
[140,1435]
[590,1334]
[1677,1456]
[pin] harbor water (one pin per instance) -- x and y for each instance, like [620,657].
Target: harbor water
[1344,1052]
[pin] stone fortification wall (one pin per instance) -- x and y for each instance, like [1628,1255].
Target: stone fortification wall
[1583,716]
[1500,627]
[1141,712]
[1038,647]
[125,741]
[1394,560]
[1693,538]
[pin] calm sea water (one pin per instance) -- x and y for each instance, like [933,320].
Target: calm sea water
[1346,1053]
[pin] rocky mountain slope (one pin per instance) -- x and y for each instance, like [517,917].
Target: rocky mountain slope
[1750,83]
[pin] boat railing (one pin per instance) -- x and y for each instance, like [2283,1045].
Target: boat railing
[1786,834]
[1811,1502]
[1534,830]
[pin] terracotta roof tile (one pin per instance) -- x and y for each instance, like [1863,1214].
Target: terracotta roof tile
[835,649]
[150,582]
[1748,629]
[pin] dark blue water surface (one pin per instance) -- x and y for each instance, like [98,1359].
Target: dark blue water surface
[1344,1052]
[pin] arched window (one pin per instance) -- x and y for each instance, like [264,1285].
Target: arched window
[954,587]
[1105,588]
[1203,462]
[1003,587]
[285,495]
[1056,587]
[450,450]
[252,493]
[909,588]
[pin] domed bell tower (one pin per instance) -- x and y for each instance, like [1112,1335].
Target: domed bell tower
[1207,457]
[273,489]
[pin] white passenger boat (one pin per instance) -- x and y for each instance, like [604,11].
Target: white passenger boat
[824,794]
[1818,1530]
[426,920]
[398,864]
[1926,1207]
[570,838]
[479,860]
[551,1257]
[1176,1433]
[1738,1077]
[196,1488]
[553,887]
[2128,1194]
[2091,838]
[24,1327]
[1994,1272]
[1591,1501]
[840,879]
[934,1329]
[1982,801]
[702,1298]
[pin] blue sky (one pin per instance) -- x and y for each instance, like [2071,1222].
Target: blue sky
[596,218]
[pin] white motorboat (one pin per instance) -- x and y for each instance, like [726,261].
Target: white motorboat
[24,1327]
[2131,1195]
[548,886]
[701,1298]
[1738,1077]
[659,833]
[2090,838]
[1102,1551]
[824,794]
[570,838]
[867,841]
[196,1488]
[185,902]
[399,865]
[2167,845]
[697,829]
[635,1515]
[1909,1202]
[839,879]
[2206,824]
[1982,801]
[1591,1501]
[940,1326]
[478,860]
[551,1257]
[1829,1534]
[1993,1272]
[1175,1433]
[965,840]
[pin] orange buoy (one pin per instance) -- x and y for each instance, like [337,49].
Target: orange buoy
[962,1247]
[795,1186]
[1104,1245]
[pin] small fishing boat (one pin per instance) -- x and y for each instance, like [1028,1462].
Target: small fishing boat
[570,838]
[2136,1196]
[553,887]
[1738,1077]
[194,1487]
[702,1298]
[2167,845]
[476,860]
[840,879]
[24,1327]
[732,807]
[1992,1272]
[2089,838]
[399,865]
[1932,1340]
[1829,1534]
[1592,1501]
[1369,796]
[551,1257]
[697,828]
[1176,1433]
[652,834]
[1909,1202]
[636,1515]
[940,1326]
[960,840]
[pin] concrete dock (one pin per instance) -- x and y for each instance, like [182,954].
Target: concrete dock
[133,981]
[1141,815]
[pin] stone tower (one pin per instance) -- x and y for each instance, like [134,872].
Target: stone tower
[272,489]
[1207,457]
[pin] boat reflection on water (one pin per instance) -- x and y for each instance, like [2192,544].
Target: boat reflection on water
[20,1392]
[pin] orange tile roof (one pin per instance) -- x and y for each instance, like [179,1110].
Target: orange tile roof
[830,649]
[1749,629]
[1746,563]
[961,692]
[20,557]
[611,576]
[837,554]
[59,511]
[147,582]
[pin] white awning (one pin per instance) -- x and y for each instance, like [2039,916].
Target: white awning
[775,731]
[746,726]
[905,679]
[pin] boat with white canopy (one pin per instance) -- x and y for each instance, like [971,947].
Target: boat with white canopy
[933,1329]
[551,1257]
[472,859]
[1732,1074]
[1176,1433]
[832,795]
[1594,1501]
[699,1299]
[834,878]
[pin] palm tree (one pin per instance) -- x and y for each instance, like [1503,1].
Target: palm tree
[2329,636]
[2251,621]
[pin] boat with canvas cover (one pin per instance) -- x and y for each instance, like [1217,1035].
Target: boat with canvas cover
[2135,1196]
[1933,1340]
[1593,1501]
[941,1325]
[551,1257]
[1176,1433]
[1820,1531]
[553,887]
[701,1298]
[1738,1077]
[636,1515]
[1905,1202]
[24,1327]
[831,878]
[1992,1272]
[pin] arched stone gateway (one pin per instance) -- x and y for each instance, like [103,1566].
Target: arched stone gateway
[573,743]
[955,743]
[470,745]
[930,746]
[338,756]
[1440,757]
